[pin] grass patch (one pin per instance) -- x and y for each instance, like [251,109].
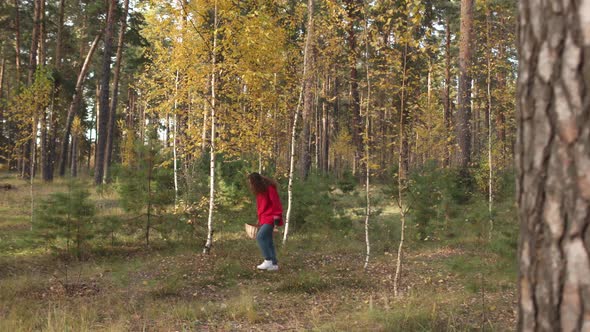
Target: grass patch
[305,282]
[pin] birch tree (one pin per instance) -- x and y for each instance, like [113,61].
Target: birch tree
[306,70]
[400,178]
[212,151]
[367,147]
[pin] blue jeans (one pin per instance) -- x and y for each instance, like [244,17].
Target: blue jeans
[264,238]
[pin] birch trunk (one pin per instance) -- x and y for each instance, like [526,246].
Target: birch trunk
[294,129]
[1,97]
[367,152]
[447,100]
[400,183]
[174,142]
[209,243]
[489,102]
[553,166]
[28,167]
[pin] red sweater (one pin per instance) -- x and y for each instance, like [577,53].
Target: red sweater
[268,206]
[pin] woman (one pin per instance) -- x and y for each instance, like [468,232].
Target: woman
[270,214]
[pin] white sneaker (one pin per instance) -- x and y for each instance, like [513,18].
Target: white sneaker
[265,265]
[274,267]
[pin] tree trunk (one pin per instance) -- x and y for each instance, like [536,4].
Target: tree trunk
[34,42]
[401,180]
[462,126]
[113,111]
[48,170]
[553,166]
[17,39]
[489,122]
[58,44]
[404,150]
[500,113]
[27,165]
[447,99]
[76,98]
[103,117]
[304,155]
[45,158]
[17,64]
[352,8]
[325,140]
[209,242]
[2,66]
[174,152]
[306,51]
[148,223]
[2,121]
[367,155]
[74,165]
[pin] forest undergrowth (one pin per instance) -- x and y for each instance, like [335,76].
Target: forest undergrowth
[456,275]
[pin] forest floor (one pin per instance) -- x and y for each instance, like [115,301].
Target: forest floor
[321,285]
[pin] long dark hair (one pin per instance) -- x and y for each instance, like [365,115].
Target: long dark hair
[259,183]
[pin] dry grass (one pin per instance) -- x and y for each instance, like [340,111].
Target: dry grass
[172,287]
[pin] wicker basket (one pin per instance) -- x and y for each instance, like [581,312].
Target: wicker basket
[251,230]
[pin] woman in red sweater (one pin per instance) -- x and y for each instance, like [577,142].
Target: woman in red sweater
[270,214]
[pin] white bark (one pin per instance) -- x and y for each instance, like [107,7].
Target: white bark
[367,154]
[367,184]
[292,165]
[400,183]
[489,92]
[32,171]
[293,138]
[212,151]
[174,142]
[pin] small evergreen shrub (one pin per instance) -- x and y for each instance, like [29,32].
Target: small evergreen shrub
[146,185]
[347,182]
[66,217]
[434,194]
[312,205]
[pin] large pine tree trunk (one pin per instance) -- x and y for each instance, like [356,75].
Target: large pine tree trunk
[113,111]
[353,9]
[52,121]
[17,39]
[76,98]
[553,166]
[462,125]
[447,97]
[103,117]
